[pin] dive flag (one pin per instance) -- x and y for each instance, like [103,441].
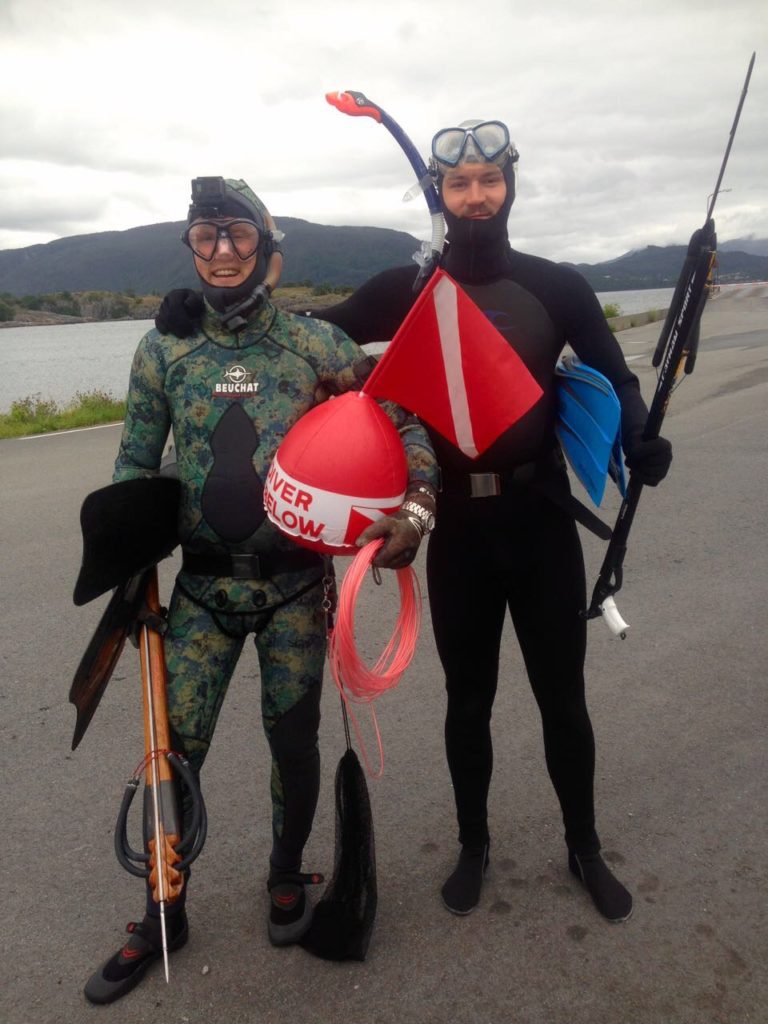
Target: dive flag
[449,366]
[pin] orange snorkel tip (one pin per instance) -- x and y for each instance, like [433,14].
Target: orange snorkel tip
[353,103]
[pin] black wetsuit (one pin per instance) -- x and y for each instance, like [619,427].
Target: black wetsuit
[518,549]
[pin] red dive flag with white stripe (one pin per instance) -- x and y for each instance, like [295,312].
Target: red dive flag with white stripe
[450,366]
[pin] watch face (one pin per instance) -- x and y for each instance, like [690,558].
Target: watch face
[429,522]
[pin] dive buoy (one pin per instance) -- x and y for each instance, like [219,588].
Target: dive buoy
[339,468]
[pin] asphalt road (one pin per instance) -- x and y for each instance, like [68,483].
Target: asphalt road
[680,716]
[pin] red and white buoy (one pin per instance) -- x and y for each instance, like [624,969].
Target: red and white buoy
[339,468]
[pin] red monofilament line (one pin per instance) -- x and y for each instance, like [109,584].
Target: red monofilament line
[357,682]
[152,755]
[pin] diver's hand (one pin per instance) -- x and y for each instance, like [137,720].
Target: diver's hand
[180,312]
[402,538]
[649,461]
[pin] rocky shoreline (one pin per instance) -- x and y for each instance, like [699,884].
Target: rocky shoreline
[44,319]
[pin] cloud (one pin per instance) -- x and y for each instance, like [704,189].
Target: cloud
[621,112]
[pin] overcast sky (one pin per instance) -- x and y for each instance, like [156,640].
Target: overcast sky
[620,110]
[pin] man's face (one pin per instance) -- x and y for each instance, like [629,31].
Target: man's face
[225,269]
[474,191]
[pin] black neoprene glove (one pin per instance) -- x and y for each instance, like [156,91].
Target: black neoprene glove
[649,461]
[180,312]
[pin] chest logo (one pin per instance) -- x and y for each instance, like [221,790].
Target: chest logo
[238,383]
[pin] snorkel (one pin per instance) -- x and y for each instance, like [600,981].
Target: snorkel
[356,104]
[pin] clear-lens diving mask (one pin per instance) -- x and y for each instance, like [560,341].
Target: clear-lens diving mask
[476,142]
[203,236]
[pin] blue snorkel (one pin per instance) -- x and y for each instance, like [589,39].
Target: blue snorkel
[356,104]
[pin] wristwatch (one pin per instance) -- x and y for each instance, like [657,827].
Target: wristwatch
[423,518]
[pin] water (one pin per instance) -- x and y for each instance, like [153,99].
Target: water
[57,362]
[639,301]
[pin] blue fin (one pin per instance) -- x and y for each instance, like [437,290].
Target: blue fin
[589,426]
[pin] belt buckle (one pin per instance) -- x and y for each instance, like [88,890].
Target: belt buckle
[484,485]
[245,567]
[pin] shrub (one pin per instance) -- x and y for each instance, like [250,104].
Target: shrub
[611,309]
[31,408]
[35,415]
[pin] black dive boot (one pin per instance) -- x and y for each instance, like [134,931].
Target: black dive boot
[290,912]
[127,967]
[608,894]
[461,891]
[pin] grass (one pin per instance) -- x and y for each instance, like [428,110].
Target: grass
[36,415]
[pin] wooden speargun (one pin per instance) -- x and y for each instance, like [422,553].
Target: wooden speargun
[169,850]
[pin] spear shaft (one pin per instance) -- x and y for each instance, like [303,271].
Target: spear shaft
[675,354]
[164,836]
[149,705]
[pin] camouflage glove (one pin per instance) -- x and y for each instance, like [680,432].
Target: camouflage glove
[402,535]
[650,460]
[180,313]
[403,531]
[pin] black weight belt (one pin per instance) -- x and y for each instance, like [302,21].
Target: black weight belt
[249,567]
[541,476]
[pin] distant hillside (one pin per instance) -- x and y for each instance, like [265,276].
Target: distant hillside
[659,267]
[152,260]
[754,246]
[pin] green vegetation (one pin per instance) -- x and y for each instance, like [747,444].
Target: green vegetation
[61,307]
[611,309]
[93,305]
[330,289]
[36,415]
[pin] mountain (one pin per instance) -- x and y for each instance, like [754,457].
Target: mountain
[151,260]
[752,245]
[659,267]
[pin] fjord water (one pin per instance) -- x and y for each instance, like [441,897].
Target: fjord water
[59,361]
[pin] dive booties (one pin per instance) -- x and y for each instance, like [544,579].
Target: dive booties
[461,891]
[127,967]
[608,894]
[290,912]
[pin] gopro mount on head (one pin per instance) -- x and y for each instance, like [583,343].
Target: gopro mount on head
[208,197]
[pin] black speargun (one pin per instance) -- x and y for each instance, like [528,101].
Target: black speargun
[675,354]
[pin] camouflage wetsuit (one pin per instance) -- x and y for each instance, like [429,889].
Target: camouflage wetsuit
[230,398]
